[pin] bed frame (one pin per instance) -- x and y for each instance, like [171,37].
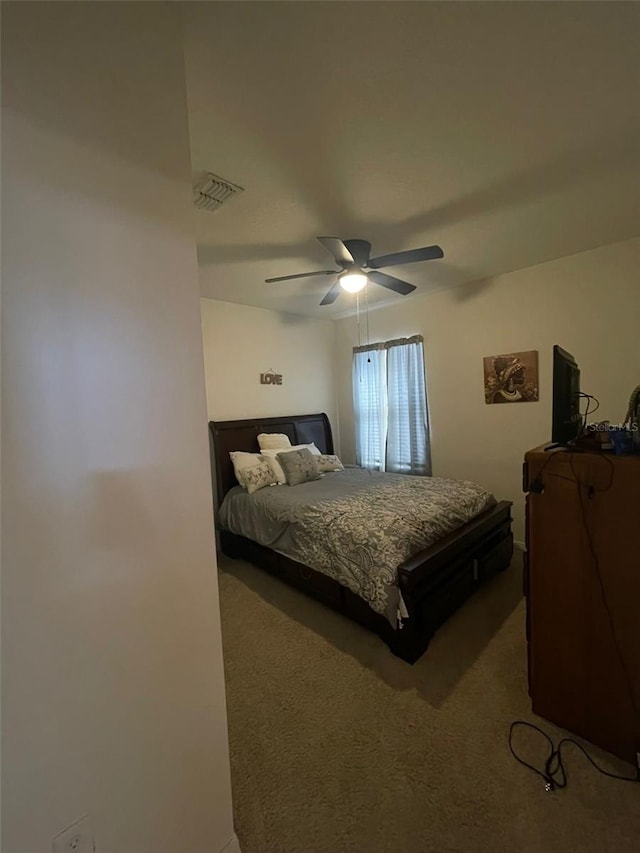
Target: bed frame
[434,582]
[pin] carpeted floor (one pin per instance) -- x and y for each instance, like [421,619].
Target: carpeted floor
[339,747]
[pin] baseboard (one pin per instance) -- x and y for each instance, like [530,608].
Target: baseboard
[519,546]
[232,845]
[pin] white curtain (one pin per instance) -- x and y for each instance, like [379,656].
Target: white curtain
[390,407]
[370,407]
[408,450]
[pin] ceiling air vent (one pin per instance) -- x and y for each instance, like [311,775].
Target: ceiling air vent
[211,191]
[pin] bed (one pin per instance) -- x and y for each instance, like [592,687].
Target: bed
[428,585]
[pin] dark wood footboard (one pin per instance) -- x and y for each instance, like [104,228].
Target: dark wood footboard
[435,582]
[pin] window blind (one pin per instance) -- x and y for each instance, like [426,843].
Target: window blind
[390,406]
[370,408]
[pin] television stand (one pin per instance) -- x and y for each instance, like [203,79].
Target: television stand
[588,442]
[582,587]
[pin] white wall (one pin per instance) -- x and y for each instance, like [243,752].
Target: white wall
[113,692]
[588,303]
[241,342]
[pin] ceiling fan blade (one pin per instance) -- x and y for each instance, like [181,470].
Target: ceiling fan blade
[300,275]
[427,253]
[337,248]
[388,281]
[332,294]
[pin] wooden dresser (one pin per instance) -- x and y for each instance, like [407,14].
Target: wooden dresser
[582,584]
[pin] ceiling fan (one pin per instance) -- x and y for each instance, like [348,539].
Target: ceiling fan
[357,268]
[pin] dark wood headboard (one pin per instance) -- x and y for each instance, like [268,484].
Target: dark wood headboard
[226,436]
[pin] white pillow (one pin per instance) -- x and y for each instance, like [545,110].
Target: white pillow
[258,476]
[273,440]
[242,461]
[310,447]
[277,467]
[329,462]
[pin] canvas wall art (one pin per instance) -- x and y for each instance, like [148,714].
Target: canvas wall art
[511,378]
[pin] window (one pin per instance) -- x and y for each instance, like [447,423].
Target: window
[390,407]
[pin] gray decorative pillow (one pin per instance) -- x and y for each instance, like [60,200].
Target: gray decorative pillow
[258,477]
[328,462]
[299,466]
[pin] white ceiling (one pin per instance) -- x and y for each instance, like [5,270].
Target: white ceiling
[507,133]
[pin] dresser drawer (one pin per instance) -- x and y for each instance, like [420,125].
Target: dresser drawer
[495,558]
[314,583]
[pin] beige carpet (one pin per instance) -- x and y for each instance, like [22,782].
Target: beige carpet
[338,746]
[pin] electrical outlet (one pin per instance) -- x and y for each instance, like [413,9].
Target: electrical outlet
[78,838]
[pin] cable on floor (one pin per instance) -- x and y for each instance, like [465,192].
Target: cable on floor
[554,773]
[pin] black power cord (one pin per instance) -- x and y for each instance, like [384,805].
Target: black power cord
[554,773]
[536,486]
[588,411]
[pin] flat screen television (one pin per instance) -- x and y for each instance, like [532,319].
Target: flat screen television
[567,421]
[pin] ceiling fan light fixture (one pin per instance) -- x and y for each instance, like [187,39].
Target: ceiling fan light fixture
[353,282]
[353,257]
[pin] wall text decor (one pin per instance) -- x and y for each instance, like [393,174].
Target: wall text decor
[270,378]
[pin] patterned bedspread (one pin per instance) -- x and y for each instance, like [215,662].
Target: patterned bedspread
[356,526]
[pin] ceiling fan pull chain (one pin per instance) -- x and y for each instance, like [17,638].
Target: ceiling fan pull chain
[366,309]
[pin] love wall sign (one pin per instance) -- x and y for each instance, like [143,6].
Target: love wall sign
[270,378]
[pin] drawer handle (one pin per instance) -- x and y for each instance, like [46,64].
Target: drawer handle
[305,574]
